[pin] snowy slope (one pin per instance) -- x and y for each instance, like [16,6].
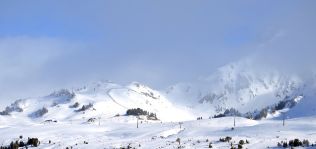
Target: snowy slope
[108,99]
[193,134]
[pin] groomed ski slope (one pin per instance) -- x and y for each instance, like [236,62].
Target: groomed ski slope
[121,131]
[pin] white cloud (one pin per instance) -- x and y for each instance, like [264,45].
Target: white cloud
[22,60]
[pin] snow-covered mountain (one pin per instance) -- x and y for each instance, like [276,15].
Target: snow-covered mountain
[100,99]
[241,86]
[246,88]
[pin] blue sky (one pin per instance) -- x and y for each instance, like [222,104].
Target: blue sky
[46,45]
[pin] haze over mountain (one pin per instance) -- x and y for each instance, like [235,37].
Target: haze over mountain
[45,46]
[239,86]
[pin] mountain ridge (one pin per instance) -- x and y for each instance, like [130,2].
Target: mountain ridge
[236,86]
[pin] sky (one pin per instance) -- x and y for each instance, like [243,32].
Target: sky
[48,45]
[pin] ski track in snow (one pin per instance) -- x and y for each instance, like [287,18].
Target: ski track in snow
[109,94]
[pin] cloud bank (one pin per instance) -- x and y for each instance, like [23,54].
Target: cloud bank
[49,45]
